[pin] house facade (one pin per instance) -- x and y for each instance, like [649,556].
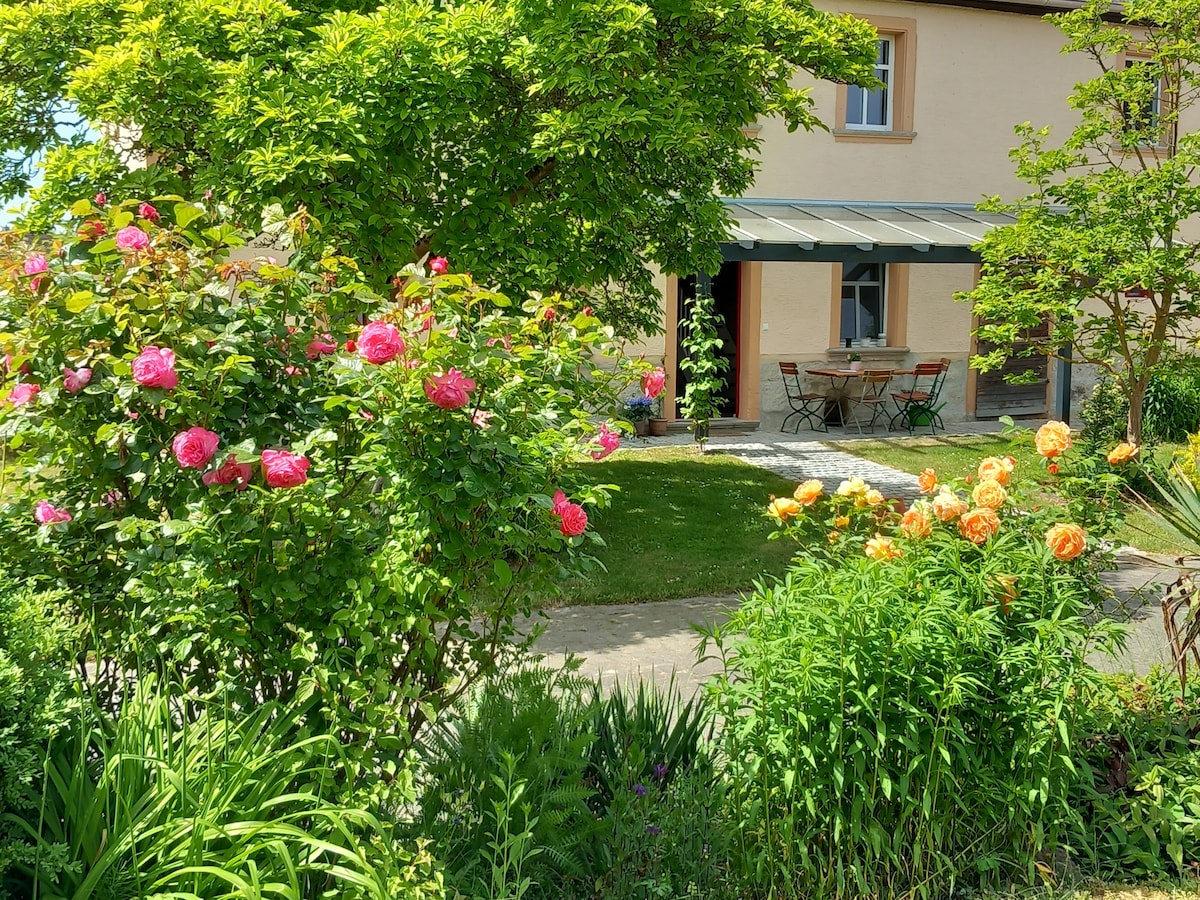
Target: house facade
[864,233]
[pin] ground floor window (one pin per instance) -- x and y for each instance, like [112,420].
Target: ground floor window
[864,303]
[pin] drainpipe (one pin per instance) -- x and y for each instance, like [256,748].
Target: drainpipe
[1062,385]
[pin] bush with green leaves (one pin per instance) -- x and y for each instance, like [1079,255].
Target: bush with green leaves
[1139,788]
[186,797]
[899,713]
[236,479]
[1170,409]
[540,784]
[36,652]
[702,364]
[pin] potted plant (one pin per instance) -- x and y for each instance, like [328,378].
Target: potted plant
[637,411]
[855,362]
[658,425]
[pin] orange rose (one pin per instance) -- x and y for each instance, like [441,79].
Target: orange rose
[1052,439]
[783,508]
[834,536]
[881,549]
[979,525]
[990,494]
[841,522]
[1008,590]
[916,523]
[996,468]
[1122,453]
[809,492]
[1052,468]
[927,481]
[948,506]
[1065,541]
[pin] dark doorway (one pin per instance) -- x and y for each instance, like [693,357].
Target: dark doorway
[726,289]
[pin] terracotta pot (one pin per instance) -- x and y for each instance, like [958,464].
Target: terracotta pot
[641,427]
[658,427]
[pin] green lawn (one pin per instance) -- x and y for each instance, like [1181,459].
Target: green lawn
[682,525]
[956,456]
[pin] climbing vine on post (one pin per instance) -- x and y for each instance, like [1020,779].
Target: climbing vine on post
[704,366]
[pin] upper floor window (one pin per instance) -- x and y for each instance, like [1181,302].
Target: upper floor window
[1142,113]
[873,108]
[884,114]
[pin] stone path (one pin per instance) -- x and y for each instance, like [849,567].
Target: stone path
[801,460]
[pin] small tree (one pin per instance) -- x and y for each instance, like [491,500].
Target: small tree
[1097,251]
[539,145]
[703,365]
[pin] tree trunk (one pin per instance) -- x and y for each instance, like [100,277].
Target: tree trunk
[1137,394]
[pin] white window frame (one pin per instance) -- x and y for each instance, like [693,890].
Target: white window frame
[885,72]
[881,325]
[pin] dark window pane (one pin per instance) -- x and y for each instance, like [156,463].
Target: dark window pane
[883,53]
[849,328]
[876,113]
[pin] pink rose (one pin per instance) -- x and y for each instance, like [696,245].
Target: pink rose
[100,199]
[91,231]
[155,367]
[283,469]
[574,520]
[482,419]
[75,380]
[195,447]
[350,346]
[560,503]
[587,311]
[380,342]
[131,239]
[550,315]
[439,265]
[231,472]
[449,391]
[367,414]
[653,382]
[36,264]
[148,212]
[23,393]
[608,441]
[425,312]
[46,514]
[320,346]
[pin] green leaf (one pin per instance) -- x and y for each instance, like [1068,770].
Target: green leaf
[187,213]
[78,301]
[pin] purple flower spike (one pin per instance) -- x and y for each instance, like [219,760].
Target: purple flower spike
[659,771]
[640,790]
[654,830]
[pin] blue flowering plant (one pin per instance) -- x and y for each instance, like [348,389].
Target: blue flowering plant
[637,409]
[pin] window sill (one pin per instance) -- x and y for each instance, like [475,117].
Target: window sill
[865,136]
[867,353]
[1155,150]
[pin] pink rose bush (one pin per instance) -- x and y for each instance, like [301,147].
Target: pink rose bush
[608,440]
[195,447]
[46,514]
[449,391]
[653,383]
[36,264]
[439,265]
[313,510]
[132,239]
[155,368]
[380,343]
[282,469]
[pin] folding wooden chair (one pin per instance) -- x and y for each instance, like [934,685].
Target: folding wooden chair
[805,406]
[872,399]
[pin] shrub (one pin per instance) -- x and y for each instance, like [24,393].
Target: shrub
[1170,408]
[238,481]
[1139,790]
[541,786]
[899,710]
[36,644]
[150,802]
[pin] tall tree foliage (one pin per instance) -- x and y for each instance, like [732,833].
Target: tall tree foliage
[1101,248]
[539,143]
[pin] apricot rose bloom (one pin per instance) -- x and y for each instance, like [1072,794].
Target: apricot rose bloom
[948,506]
[809,492]
[927,481]
[1053,439]
[852,487]
[996,468]
[783,508]
[881,549]
[1122,453]
[989,494]
[872,498]
[979,525]
[1065,540]
[916,524]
